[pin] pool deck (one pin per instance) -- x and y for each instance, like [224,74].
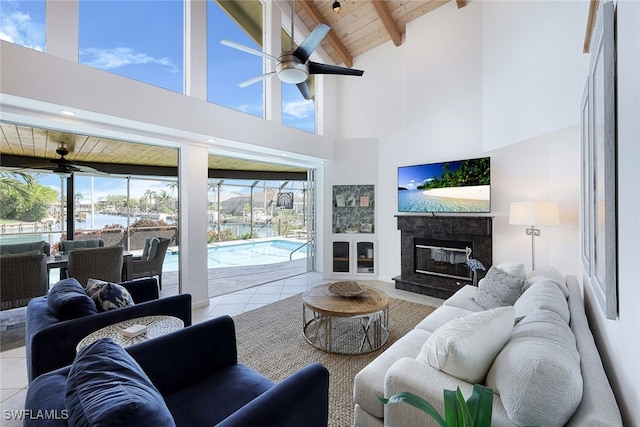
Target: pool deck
[224,280]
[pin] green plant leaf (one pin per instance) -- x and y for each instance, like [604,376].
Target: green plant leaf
[463,409]
[480,405]
[416,402]
[451,410]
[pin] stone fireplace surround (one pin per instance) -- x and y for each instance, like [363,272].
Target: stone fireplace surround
[474,229]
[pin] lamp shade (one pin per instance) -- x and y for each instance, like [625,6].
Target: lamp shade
[534,213]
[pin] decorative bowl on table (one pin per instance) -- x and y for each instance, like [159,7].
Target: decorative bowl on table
[346,288]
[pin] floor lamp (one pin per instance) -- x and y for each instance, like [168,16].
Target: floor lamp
[534,213]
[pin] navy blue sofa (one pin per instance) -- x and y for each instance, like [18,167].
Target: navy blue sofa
[51,341]
[197,376]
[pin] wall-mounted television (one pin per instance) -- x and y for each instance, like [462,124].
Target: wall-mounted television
[447,187]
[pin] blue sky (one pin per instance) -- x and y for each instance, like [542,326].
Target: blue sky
[103,186]
[411,177]
[143,40]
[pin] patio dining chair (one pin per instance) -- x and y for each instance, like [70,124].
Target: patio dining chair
[149,264]
[22,276]
[96,263]
[69,245]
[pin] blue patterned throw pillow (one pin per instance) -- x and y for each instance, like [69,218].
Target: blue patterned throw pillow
[108,296]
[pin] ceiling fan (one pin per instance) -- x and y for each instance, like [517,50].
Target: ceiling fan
[293,66]
[64,167]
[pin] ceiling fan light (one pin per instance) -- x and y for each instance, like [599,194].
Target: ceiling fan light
[290,70]
[292,75]
[336,7]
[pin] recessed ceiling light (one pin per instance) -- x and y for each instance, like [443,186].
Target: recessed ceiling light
[67,113]
[211,140]
[284,154]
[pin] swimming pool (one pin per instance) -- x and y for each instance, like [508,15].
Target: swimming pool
[251,253]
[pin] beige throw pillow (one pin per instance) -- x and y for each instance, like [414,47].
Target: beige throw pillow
[498,289]
[466,347]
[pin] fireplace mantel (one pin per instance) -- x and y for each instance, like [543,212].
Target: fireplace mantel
[476,230]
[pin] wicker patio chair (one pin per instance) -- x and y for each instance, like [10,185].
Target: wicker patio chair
[149,264]
[69,245]
[22,277]
[96,263]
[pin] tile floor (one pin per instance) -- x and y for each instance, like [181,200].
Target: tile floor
[13,376]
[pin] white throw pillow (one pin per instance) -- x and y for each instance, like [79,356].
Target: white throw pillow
[547,273]
[465,347]
[545,295]
[537,374]
[514,269]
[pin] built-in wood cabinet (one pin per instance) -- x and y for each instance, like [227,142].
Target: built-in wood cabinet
[354,255]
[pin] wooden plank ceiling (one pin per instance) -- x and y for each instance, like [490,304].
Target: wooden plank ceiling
[362,25]
[40,146]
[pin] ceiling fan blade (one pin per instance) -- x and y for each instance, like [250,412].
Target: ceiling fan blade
[304,90]
[308,45]
[246,49]
[256,79]
[37,166]
[86,169]
[316,68]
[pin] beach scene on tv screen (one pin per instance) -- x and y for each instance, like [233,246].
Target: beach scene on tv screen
[457,186]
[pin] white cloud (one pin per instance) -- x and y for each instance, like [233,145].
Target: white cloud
[109,59]
[18,27]
[254,109]
[299,109]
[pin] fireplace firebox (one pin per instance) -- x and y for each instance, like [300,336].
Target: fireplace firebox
[443,258]
[434,252]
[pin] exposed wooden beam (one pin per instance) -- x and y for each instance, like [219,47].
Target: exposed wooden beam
[389,24]
[335,42]
[461,3]
[591,22]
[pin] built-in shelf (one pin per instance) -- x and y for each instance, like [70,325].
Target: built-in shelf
[353,209]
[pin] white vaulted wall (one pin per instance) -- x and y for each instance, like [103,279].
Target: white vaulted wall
[505,80]
[432,99]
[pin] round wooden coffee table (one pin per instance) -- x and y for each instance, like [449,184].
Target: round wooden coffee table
[345,325]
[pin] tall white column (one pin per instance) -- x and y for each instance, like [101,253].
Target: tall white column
[195,49]
[192,174]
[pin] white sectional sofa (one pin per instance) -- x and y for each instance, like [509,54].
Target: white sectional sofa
[547,373]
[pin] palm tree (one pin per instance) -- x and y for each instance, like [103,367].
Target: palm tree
[149,196]
[8,181]
[163,197]
[11,184]
[173,186]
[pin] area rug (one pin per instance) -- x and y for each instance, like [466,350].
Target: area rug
[270,341]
